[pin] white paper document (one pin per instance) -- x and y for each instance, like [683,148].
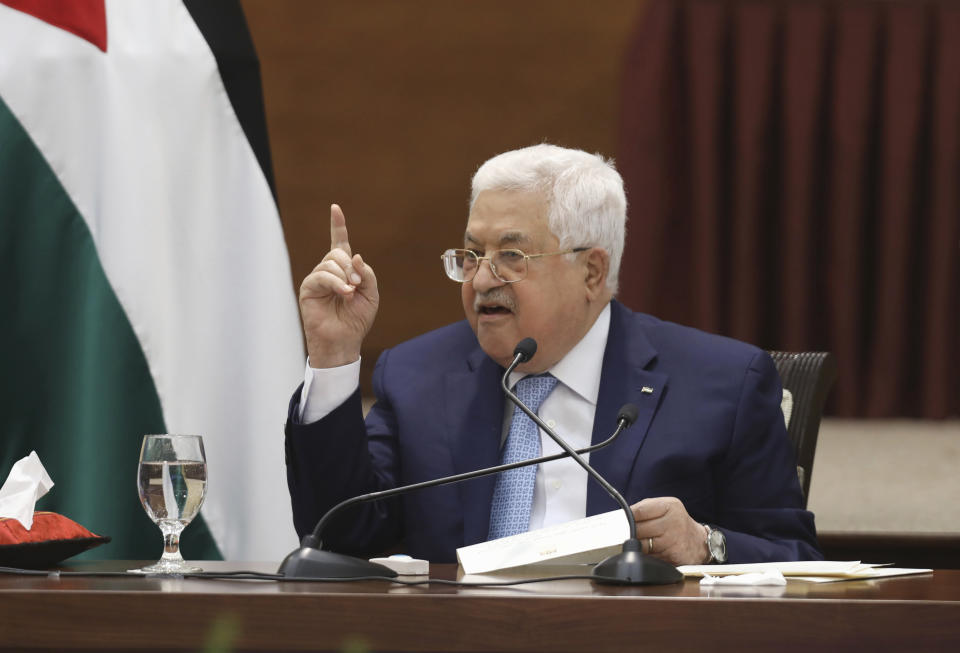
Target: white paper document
[817,571]
[582,541]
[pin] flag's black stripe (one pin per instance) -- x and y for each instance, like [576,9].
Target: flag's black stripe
[224,27]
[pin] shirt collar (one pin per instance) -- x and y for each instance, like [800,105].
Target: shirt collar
[580,368]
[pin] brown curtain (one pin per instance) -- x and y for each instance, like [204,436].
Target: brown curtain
[792,172]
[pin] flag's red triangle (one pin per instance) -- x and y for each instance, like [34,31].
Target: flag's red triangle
[85,18]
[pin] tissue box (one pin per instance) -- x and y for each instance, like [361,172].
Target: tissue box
[52,538]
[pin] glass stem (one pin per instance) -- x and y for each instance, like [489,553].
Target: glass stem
[171,546]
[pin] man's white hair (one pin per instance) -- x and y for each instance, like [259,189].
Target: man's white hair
[586,202]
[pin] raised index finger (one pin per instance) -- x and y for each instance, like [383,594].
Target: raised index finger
[338,230]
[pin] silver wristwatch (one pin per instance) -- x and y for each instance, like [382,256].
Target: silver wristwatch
[716,544]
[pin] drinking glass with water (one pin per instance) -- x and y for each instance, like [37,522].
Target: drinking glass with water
[172,482]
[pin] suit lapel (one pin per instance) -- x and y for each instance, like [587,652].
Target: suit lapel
[623,380]
[474,422]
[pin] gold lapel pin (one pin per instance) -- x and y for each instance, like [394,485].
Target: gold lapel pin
[647,390]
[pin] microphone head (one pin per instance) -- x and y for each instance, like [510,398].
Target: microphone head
[628,414]
[526,348]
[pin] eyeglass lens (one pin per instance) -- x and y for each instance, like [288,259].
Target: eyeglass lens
[507,264]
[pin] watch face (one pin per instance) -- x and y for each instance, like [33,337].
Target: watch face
[718,545]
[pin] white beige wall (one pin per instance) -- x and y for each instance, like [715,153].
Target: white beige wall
[895,476]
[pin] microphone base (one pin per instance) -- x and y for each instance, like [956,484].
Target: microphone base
[632,567]
[308,562]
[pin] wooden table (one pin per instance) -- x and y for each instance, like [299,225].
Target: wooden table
[136,613]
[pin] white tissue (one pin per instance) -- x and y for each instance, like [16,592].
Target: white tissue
[27,482]
[767,577]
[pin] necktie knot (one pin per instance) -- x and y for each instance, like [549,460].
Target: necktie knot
[533,390]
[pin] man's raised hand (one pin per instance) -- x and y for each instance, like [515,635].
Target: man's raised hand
[338,301]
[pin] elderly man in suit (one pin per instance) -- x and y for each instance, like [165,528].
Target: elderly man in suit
[707,466]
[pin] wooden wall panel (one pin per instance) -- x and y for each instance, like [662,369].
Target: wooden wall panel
[387,108]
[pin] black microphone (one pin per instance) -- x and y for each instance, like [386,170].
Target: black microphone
[310,561]
[524,351]
[630,566]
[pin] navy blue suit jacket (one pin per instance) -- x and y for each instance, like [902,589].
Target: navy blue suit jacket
[711,433]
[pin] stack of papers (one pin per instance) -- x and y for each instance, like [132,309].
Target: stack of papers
[815,571]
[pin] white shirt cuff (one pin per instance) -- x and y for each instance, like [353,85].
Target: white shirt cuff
[325,389]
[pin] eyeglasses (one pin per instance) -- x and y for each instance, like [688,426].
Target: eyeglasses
[507,265]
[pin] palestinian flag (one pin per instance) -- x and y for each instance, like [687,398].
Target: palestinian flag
[144,280]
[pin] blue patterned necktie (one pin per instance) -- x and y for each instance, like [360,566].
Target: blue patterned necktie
[513,494]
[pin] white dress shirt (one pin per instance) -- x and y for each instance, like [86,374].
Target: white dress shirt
[560,494]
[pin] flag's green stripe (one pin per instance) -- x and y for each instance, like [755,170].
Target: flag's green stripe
[74,383]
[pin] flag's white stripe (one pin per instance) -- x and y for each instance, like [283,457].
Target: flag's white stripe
[146,143]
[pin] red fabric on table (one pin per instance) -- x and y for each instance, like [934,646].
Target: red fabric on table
[46,526]
[52,539]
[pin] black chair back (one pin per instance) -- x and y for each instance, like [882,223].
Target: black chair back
[808,376]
